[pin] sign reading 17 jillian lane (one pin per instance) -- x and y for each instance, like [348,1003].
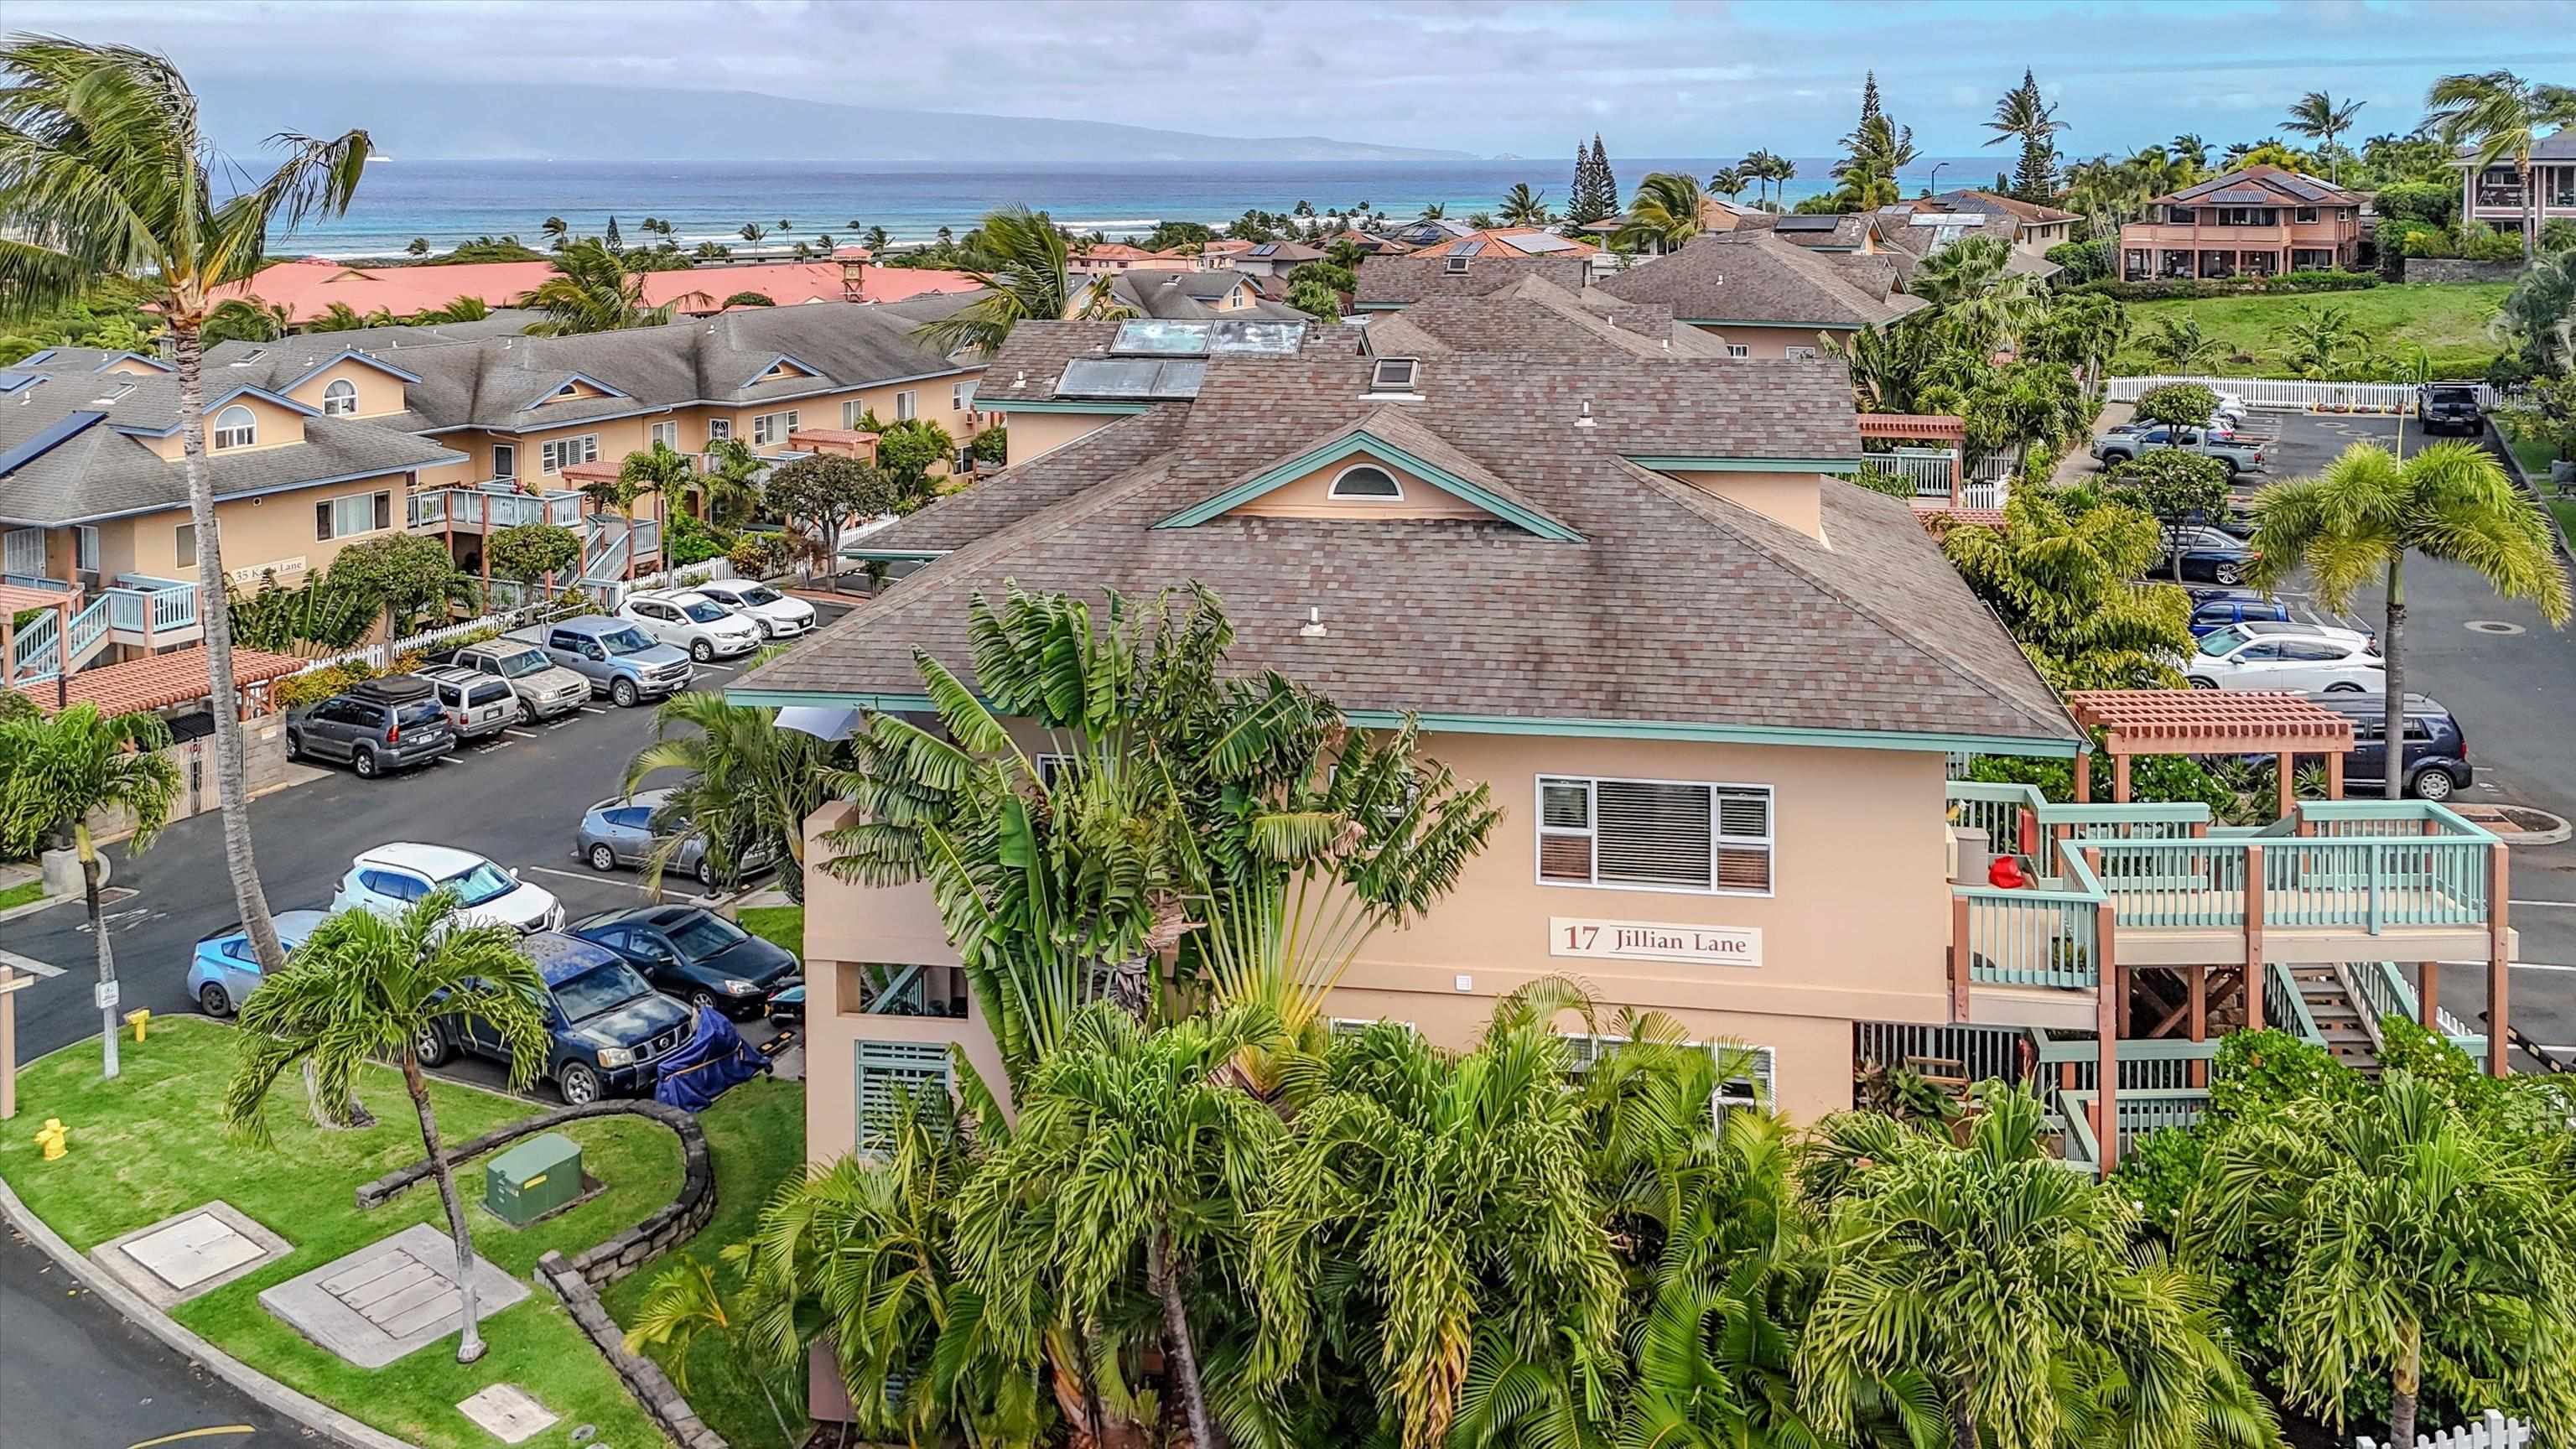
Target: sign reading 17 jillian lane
[1653,941]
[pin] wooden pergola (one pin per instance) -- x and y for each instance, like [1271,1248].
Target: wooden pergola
[2210,722]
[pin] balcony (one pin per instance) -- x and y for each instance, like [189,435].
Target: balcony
[490,507]
[152,613]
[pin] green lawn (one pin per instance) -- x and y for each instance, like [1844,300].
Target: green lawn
[779,925]
[146,1146]
[2536,457]
[756,1135]
[25,893]
[2448,321]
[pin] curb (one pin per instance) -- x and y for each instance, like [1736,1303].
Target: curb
[314,1415]
[40,903]
[2520,839]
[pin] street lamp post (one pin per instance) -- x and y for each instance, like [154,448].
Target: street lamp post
[1934,187]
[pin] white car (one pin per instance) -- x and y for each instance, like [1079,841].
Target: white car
[2304,658]
[389,878]
[778,616]
[692,621]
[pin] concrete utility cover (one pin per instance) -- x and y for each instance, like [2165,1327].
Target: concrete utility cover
[2494,626]
[176,1259]
[382,1302]
[507,1413]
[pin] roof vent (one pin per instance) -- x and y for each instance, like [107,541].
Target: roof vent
[1313,628]
[1583,419]
[1020,378]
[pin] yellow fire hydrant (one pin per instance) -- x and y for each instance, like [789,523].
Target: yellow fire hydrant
[51,1137]
[139,1018]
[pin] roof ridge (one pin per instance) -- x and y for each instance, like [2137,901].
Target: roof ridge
[1723,511]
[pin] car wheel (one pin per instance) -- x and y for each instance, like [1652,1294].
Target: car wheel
[2231,574]
[294,745]
[364,762]
[704,1000]
[703,652]
[706,872]
[623,692]
[578,1084]
[212,1001]
[430,1046]
[602,859]
[2199,683]
[2343,686]
[2432,784]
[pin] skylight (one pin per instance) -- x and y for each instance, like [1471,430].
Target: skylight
[1807,223]
[1131,379]
[1457,265]
[1392,374]
[1157,338]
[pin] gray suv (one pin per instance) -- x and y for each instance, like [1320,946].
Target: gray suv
[622,832]
[374,726]
[619,659]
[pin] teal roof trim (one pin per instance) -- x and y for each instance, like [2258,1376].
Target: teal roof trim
[1362,441]
[1048,405]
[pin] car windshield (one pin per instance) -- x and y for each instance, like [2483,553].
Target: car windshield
[762,595]
[702,611]
[703,935]
[524,663]
[2452,396]
[601,988]
[2221,641]
[626,641]
[483,881]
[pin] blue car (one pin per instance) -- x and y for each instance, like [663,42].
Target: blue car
[225,971]
[2209,615]
[608,1031]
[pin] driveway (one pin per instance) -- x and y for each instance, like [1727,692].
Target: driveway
[515,799]
[2511,681]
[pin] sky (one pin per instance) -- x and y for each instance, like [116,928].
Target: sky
[1485,76]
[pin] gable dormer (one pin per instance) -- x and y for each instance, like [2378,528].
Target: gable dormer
[1382,468]
[785,367]
[352,384]
[242,420]
[574,387]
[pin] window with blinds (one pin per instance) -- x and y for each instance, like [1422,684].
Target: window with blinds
[1666,835]
[888,1072]
[1745,1080]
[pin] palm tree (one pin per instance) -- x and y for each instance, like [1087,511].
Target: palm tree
[1031,281]
[752,231]
[245,319]
[2024,114]
[465,307]
[1936,1256]
[2190,153]
[2496,115]
[556,230]
[2318,117]
[684,1305]
[2359,519]
[2540,312]
[419,246]
[750,787]
[1730,181]
[366,987]
[1433,211]
[55,773]
[876,238]
[591,291]
[1524,207]
[728,493]
[2178,346]
[2411,1234]
[2320,338]
[103,173]
[659,471]
[1665,214]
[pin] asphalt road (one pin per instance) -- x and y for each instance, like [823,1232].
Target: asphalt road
[2511,682]
[516,800]
[74,1373]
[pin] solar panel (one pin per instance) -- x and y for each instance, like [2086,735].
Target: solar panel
[1264,338]
[1131,378]
[1542,241]
[1808,223]
[1266,249]
[2240,196]
[1153,336]
[12,381]
[2305,188]
[1468,248]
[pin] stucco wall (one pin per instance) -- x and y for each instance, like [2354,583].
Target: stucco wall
[1767,341]
[2457,269]
[1794,499]
[272,529]
[1311,497]
[1035,434]
[378,392]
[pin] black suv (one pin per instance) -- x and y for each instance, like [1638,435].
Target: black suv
[694,954]
[2437,753]
[2449,407]
[372,726]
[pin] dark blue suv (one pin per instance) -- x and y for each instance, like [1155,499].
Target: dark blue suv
[2437,752]
[2217,609]
[608,1028]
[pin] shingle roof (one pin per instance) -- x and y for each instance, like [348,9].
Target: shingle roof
[1993,202]
[1541,319]
[2277,186]
[1748,277]
[1677,606]
[1398,281]
[1190,296]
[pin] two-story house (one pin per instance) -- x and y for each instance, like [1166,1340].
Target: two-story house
[2493,194]
[1711,683]
[2034,226]
[2256,222]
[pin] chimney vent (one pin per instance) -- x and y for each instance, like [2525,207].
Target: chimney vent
[1313,628]
[1584,418]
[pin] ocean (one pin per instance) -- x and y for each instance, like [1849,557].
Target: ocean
[451,201]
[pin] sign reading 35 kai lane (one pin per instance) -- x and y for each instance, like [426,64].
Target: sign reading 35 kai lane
[1653,941]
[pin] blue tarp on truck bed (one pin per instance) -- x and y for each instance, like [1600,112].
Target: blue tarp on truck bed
[710,1063]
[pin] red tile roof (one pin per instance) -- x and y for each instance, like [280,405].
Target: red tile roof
[161,680]
[308,287]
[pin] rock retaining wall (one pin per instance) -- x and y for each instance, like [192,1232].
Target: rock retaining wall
[2439,270]
[577,1281]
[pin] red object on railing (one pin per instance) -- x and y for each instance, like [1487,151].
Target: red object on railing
[2006,873]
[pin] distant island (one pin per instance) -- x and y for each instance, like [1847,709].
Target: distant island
[449,121]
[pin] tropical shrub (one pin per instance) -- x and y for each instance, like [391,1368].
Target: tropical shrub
[528,552]
[318,684]
[757,555]
[693,542]
[2086,261]
[993,445]
[2162,289]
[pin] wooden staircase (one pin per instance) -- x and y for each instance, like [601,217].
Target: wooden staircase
[2347,1033]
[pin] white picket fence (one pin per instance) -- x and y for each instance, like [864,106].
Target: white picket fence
[378,655]
[2293,395]
[2495,1431]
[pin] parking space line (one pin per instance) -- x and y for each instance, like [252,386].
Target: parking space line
[595,876]
[516,733]
[589,709]
[447,760]
[29,964]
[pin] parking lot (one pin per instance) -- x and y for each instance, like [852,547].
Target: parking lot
[516,799]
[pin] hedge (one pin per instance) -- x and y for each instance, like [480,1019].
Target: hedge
[2167,290]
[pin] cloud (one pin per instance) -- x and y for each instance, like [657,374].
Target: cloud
[1690,80]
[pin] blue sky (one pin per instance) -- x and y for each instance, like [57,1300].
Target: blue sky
[1656,79]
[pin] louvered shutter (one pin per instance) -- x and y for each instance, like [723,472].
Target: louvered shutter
[887,1071]
[1652,833]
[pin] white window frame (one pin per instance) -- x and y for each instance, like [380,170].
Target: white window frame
[85,547]
[556,454]
[1051,768]
[1738,349]
[505,460]
[22,551]
[665,433]
[379,502]
[961,397]
[1799,354]
[1380,381]
[183,546]
[1767,843]
[1457,266]
[244,434]
[1335,491]
[907,406]
[1758,1092]
[719,430]
[340,399]
[852,410]
[769,430]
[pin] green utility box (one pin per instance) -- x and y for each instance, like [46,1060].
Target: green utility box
[533,1179]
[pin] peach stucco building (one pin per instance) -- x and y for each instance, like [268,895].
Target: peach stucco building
[2255,222]
[1710,683]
